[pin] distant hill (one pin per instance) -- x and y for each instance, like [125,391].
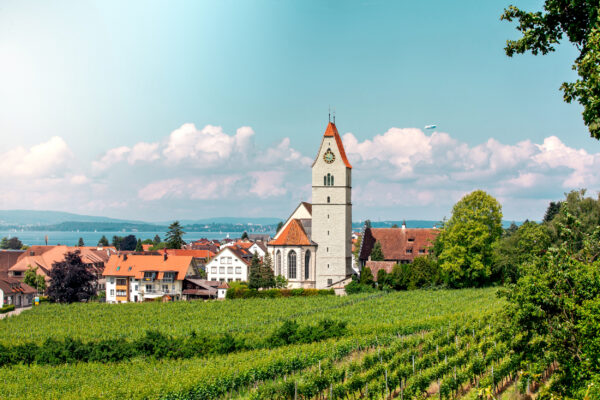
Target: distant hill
[36,217]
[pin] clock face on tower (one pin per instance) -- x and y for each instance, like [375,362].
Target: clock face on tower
[329,157]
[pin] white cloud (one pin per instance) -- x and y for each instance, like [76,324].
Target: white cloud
[43,159]
[267,184]
[79,179]
[141,151]
[206,188]
[206,146]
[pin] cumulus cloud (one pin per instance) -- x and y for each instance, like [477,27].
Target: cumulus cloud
[205,188]
[43,159]
[267,183]
[140,152]
[206,146]
[283,152]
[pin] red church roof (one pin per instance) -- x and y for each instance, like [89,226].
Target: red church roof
[292,235]
[332,131]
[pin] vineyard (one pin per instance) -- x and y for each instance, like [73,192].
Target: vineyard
[439,344]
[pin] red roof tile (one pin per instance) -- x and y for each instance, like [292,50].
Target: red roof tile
[398,243]
[375,266]
[136,265]
[332,131]
[292,235]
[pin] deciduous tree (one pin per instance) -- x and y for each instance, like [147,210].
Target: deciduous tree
[578,20]
[34,280]
[71,280]
[467,239]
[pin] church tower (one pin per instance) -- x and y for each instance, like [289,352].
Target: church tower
[332,210]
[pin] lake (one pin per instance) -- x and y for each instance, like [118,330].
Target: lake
[91,238]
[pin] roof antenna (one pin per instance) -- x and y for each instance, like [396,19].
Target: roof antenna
[334,115]
[329,113]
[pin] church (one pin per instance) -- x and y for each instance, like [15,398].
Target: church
[313,248]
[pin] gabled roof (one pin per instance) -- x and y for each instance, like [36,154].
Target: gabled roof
[242,254]
[7,259]
[332,131]
[135,265]
[292,235]
[188,252]
[12,285]
[396,241]
[308,207]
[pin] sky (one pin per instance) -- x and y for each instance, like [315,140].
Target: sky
[162,110]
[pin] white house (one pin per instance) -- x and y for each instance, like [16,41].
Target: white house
[134,278]
[231,264]
[259,248]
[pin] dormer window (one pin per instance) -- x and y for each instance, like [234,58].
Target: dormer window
[149,276]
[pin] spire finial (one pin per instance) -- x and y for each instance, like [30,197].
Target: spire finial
[329,113]
[334,115]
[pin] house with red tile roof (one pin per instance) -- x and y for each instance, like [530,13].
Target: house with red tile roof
[399,245]
[139,277]
[13,291]
[8,258]
[230,264]
[44,257]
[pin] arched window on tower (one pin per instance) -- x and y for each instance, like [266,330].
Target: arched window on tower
[324,180]
[328,199]
[331,180]
[328,179]
[292,265]
[278,262]
[307,265]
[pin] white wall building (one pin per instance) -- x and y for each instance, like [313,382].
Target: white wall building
[229,265]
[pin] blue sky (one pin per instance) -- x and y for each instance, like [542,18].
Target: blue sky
[101,103]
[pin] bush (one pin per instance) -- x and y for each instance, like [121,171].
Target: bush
[7,308]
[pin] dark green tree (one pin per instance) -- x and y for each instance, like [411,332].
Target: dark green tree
[400,276]
[71,280]
[245,235]
[128,243]
[174,236]
[255,278]
[552,210]
[103,241]
[267,274]
[116,242]
[377,252]
[382,278]
[279,226]
[367,223]
[366,277]
[543,30]
[11,244]
[424,272]
[80,242]
[156,239]
[138,245]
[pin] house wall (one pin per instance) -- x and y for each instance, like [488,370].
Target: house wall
[138,289]
[284,268]
[227,267]
[1,298]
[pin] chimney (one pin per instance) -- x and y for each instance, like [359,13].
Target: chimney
[403,224]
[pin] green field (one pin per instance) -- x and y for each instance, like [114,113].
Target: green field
[446,331]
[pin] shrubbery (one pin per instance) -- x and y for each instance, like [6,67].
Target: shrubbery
[241,293]
[158,345]
[6,308]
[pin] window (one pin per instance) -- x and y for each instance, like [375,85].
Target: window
[165,288]
[149,276]
[230,270]
[112,292]
[238,279]
[136,288]
[149,289]
[292,265]
[328,199]
[213,270]
[221,270]
[278,262]
[228,260]
[122,281]
[112,280]
[238,270]
[229,279]
[169,276]
[223,260]
[331,180]
[411,239]
[421,251]
[327,233]
[329,282]
[222,280]
[307,264]
[121,293]
[325,180]
[408,251]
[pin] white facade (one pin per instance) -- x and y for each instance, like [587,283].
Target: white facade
[227,266]
[332,213]
[297,264]
[1,298]
[121,289]
[257,249]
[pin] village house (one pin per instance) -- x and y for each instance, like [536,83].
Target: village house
[194,288]
[13,291]
[231,264]
[8,258]
[139,277]
[44,257]
[399,246]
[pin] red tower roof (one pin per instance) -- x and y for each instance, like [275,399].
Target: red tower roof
[332,131]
